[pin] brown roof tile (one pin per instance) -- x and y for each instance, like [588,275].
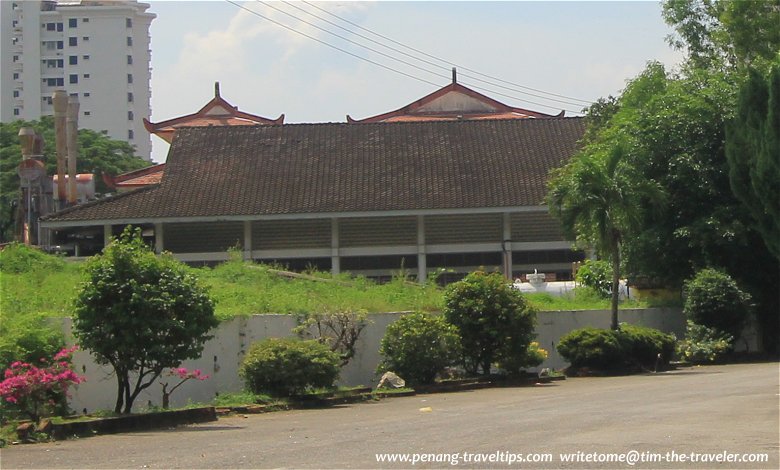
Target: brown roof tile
[323,168]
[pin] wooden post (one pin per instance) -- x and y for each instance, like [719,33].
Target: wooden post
[422,259]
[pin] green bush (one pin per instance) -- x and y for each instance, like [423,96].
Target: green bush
[713,299]
[592,347]
[607,349]
[418,346]
[495,321]
[702,344]
[642,344]
[289,366]
[596,275]
[28,338]
[18,258]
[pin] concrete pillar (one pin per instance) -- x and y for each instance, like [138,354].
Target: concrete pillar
[335,259]
[107,234]
[422,260]
[506,246]
[159,238]
[247,240]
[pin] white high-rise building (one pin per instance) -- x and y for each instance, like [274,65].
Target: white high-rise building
[96,49]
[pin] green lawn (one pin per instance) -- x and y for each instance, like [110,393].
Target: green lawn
[47,288]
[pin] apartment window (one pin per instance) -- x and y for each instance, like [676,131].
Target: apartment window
[55,81]
[73,42]
[59,27]
[16,93]
[61,44]
[85,20]
[16,75]
[129,41]
[130,97]
[16,58]
[74,78]
[86,75]
[51,27]
[46,99]
[129,60]
[86,95]
[87,113]
[73,60]
[85,38]
[129,78]
[129,22]
[85,57]
[16,111]
[130,116]
[73,22]
[130,134]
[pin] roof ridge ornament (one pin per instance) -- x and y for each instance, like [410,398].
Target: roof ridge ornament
[216,90]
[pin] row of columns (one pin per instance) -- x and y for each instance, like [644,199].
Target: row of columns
[422,267]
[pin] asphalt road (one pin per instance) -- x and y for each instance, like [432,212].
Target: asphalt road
[702,410]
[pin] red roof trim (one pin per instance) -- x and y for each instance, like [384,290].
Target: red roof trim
[452,87]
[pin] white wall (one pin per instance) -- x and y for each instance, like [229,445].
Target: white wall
[223,354]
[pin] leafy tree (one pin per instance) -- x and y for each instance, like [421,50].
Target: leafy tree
[598,198]
[719,34]
[140,313]
[753,152]
[339,330]
[493,318]
[98,154]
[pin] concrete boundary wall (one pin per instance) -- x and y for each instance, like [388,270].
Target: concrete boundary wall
[222,355]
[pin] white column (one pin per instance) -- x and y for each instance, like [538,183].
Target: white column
[335,259]
[107,233]
[506,246]
[422,262]
[159,242]
[247,240]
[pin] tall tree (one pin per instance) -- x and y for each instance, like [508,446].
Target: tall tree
[753,152]
[598,198]
[140,314]
[98,154]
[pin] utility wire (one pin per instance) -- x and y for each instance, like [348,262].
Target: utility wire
[434,64]
[440,59]
[329,45]
[366,47]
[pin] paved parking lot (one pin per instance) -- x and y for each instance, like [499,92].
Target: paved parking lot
[730,411]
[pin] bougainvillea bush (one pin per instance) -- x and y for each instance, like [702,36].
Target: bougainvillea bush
[39,390]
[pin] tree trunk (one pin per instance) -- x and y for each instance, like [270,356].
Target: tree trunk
[615,285]
[120,392]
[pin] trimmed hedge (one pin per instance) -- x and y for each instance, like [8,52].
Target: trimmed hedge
[630,346]
[289,366]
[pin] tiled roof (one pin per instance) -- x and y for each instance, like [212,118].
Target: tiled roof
[142,177]
[336,168]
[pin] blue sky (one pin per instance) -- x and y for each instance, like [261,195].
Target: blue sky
[582,50]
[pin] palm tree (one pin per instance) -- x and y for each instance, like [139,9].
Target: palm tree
[598,197]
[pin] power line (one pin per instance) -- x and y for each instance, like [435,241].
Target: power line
[292,29]
[440,59]
[423,60]
[329,45]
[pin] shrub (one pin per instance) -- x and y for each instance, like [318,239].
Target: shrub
[40,391]
[596,275]
[533,356]
[27,338]
[288,366]
[714,299]
[642,344]
[418,346]
[494,319]
[608,349]
[703,344]
[592,347]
